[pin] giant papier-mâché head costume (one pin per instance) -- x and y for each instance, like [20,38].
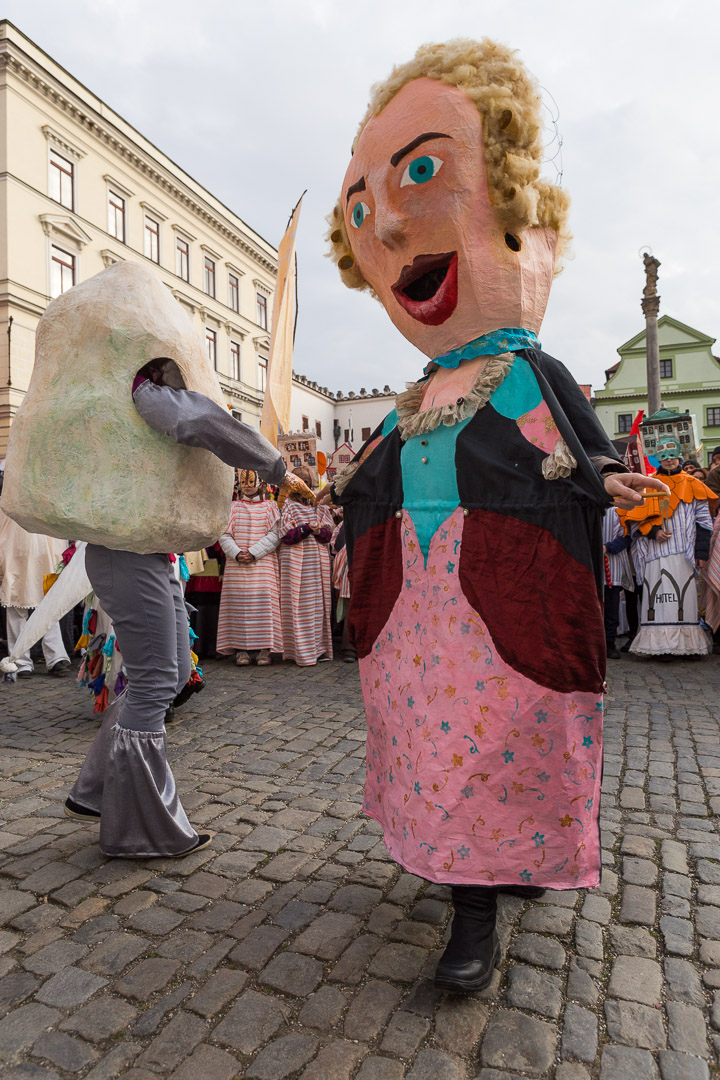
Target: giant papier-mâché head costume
[443,214]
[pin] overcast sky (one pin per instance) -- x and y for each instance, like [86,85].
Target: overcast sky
[258,101]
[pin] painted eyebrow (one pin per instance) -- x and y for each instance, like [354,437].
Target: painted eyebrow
[400,154]
[354,188]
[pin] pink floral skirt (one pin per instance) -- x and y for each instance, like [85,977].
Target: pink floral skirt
[477,774]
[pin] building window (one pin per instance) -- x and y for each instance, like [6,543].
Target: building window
[347,435]
[234,292]
[366,433]
[666,369]
[62,271]
[305,424]
[211,342]
[262,374]
[262,310]
[713,416]
[116,215]
[152,239]
[62,180]
[210,276]
[624,422]
[235,360]
[318,429]
[182,258]
[236,413]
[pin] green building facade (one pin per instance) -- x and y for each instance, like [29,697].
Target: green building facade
[689,382]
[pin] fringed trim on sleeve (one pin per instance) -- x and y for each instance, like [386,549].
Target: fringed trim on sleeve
[412,422]
[559,463]
[344,477]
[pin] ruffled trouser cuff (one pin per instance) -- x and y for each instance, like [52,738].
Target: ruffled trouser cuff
[127,780]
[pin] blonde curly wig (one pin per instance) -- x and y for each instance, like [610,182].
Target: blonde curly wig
[508,100]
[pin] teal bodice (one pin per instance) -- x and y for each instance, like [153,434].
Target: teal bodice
[428,460]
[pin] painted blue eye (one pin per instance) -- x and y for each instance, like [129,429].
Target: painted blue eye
[360,211]
[421,170]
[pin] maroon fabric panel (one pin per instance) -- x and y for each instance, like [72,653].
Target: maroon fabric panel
[204,583]
[376,579]
[540,604]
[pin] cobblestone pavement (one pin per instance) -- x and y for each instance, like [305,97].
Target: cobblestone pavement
[295,948]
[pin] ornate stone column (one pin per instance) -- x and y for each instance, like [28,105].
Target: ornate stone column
[650,304]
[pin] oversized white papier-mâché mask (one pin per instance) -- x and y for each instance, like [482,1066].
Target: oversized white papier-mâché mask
[81,463]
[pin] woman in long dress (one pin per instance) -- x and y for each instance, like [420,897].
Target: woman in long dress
[249,619]
[305,588]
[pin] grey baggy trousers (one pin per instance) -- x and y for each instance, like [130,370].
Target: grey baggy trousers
[126,777]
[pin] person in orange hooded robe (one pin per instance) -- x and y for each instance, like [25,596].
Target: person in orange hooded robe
[672,538]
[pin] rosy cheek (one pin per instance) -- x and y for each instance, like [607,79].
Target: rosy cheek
[364,247]
[361,238]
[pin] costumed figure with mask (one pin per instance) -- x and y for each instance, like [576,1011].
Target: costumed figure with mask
[249,619]
[122,380]
[672,537]
[474,525]
[305,587]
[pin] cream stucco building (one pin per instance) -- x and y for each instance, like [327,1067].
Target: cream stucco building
[80,189]
[335,418]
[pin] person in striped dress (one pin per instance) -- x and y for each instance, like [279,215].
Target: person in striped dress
[249,619]
[670,542]
[305,590]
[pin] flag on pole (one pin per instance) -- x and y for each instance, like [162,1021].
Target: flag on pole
[635,452]
[278,384]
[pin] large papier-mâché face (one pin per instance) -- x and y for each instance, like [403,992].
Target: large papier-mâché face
[424,233]
[81,462]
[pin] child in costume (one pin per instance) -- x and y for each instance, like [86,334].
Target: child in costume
[249,620]
[668,547]
[474,527]
[106,354]
[305,588]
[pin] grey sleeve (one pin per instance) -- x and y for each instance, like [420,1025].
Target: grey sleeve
[195,420]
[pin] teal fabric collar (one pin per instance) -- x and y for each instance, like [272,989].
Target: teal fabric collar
[509,339]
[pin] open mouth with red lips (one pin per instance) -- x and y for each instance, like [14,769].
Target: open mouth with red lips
[428,288]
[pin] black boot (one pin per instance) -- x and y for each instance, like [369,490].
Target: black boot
[469,959]
[525,892]
[187,692]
